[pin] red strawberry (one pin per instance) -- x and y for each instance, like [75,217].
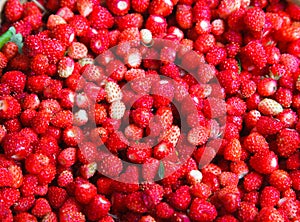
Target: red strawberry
[56,196]
[129,21]
[41,208]
[16,80]
[181,199]
[184,16]
[164,210]
[9,107]
[201,210]
[100,18]
[230,80]
[289,32]
[10,50]
[119,7]
[233,150]
[22,217]
[13,10]
[247,211]
[97,208]
[85,192]
[80,24]
[156,24]
[287,142]
[161,7]
[226,7]
[64,33]
[110,166]
[5,177]
[267,87]
[256,53]
[99,43]
[280,179]
[255,19]
[53,49]
[23,27]
[264,162]
[128,181]
[140,5]
[269,214]
[198,136]
[269,197]
[55,20]
[135,202]
[16,146]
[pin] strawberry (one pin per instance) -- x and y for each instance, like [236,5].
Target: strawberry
[181,199]
[80,24]
[67,157]
[267,125]
[13,10]
[35,163]
[77,50]
[269,107]
[99,43]
[289,32]
[65,67]
[254,19]
[198,136]
[23,27]
[264,162]
[39,64]
[287,142]
[117,110]
[156,24]
[16,80]
[140,5]
[100,18]
[113,92]
[280,180]
[129,21]
[256,53]
[85,192]
[16,146]
[201,210]
[41,208]
[161,7]
[110,166]
[56,196]
[53,49]
[269,196]
[184,16]
[247,211]
[98,207]
[172,135]
[269,214]
[233,150]
[22,217]
[119,7]
[10,50]
[55,20]
[135,202]
[230,80]
[164,210]
[85,7]
[9,107]
[141,117]
[64,33]
[5,177]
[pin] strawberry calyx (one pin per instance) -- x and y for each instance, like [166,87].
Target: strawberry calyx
[11,36]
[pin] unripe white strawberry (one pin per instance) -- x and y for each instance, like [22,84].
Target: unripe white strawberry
[117,109]
[194,176]
[146,36]
[80,117]
[269,107]
[65,67]
[134,58]
[113,91]
[85,7]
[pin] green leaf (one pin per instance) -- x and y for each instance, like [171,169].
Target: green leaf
[13,30]
[161,170]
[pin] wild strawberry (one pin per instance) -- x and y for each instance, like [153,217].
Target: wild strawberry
[100,18]
[55,20]
[201,210]
[255,52]
[64,33]
[255,19]
[56,196]
[16,146]
[292,162]
[110,166]
[161,7]
[156,24]
[15,79]
[288,32]
[98,207]
[135,202]
[23,27]
[85,7]
[269,197]
[264,162]
[85,192]
[198,136]
[35,163]
[10,49]
[233,150]
[41,208]
[80,24]
[164,210]
[181,199]
[184,16]
[140,5]
[119,7]
[269,214]
[269,107]
[99,44]
[9,107]
[67,157]
[77,50]
[117,110]
[267,87]
[13,10]
[129,21]
[141,117]
[280,180]
[247,211]
[287,142]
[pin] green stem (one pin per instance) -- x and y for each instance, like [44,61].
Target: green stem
[5,37]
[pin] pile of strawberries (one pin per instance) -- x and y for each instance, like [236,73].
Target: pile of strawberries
[150,111]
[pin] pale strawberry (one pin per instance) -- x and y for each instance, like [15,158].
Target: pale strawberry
[113,92]
[269,107]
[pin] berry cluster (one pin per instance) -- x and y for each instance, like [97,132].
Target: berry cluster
[150,111]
